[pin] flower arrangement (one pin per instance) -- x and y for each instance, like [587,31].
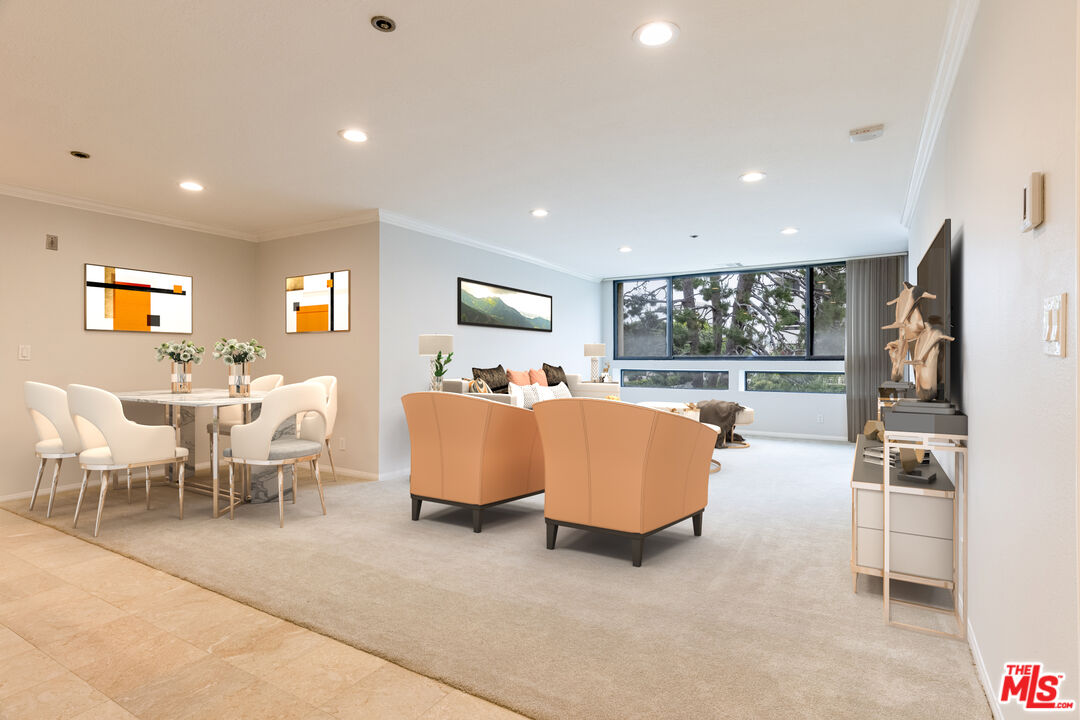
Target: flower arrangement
[441,363]
[184,351]
[234,352]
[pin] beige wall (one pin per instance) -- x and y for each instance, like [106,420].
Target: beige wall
[353,357]
[42,299]
[1013,111]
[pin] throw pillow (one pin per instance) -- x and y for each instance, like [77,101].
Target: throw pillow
[538,377]
[518,377]
[560,392]
[479,386]
[494,377]
[555,374]
[530,395]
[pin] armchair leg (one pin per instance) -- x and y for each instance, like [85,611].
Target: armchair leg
[318,484]
[416,502]
[697,523]
[146,470]
[295,482]
[52,488]
[101,499]
[37,482]
[477,521]
[232,492]
[281,494]
[180,476]
[82,491]
[638,547]
[552,532]
[129,485]
[331,456]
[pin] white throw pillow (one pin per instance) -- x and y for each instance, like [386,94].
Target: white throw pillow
[560,392]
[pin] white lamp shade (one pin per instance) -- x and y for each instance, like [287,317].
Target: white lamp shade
[434,344]
[595,349]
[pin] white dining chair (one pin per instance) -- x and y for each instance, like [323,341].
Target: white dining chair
[254,444]
[127,444]
[330,383]
[57,437]
[232,415]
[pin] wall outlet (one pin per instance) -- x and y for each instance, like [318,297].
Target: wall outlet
[24,352]
[821,418]
[52,242]
[341,444]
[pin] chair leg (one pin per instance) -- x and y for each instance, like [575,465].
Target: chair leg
[295,482]
[697,523]
[105,477]
[147,472]
[129,485]
[552,532]
[318,484]
[82,491]
[232,491]
[476,520]
[52,488]
[416,502]
[37,482]
[180,479]
[331,456]
[638,547]
[281,494]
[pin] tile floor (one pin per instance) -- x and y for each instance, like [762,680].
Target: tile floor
[88,634]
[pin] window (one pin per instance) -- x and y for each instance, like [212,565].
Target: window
[796,382]
[754,314]
[679,379]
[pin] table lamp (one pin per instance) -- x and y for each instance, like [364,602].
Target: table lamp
[432,345]
[595,351]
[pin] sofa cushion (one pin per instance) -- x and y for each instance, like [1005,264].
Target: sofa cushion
[286,448]
[495,378]
[538,377]
[555,374]
[518,377]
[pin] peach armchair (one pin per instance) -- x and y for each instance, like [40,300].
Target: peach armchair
[470,452]
[622,469]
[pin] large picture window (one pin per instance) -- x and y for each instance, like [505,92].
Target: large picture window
[795,312]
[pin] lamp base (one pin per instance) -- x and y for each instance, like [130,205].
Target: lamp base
[595,366]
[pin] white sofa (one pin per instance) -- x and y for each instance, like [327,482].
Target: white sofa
[578,388]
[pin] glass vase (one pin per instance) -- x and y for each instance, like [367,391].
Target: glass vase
[239,380]
[181,377]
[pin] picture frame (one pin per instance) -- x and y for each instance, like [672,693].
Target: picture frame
[318,302]
[120,299]
[500,306]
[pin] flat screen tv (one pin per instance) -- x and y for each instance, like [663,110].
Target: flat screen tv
[938,274]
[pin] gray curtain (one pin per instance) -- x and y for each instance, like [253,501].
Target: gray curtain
[870,284]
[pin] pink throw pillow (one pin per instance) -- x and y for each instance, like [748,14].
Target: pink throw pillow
[537,377]
[518,377]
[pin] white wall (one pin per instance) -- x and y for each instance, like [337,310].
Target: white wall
[795,414]
[1013,111]
[418,294]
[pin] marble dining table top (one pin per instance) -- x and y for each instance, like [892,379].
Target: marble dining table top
[198,397]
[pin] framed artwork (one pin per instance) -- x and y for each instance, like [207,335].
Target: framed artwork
[502,307]
[317,303]
[126,300]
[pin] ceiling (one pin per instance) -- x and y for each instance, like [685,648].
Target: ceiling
[479,111]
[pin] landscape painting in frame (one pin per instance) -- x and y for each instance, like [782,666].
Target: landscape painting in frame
[317,303]
[502,307]
[126,300]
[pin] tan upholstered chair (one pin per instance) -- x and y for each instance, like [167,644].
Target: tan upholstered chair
[232,415]
[622,469]
[329,416]
[470,452]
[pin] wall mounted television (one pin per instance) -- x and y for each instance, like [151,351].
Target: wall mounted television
[939,274]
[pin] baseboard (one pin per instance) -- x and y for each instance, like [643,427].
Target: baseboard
[790,436]
[984,677]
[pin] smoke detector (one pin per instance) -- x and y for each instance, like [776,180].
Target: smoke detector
[865,134]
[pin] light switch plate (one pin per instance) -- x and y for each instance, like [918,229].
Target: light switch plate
[24,352]
[52,242]
[1054,324]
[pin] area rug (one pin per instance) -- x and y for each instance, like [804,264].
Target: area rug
[755,619]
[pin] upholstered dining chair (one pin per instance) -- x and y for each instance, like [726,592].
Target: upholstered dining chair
[622,469]
[57,440]
[330,383]
[127,444]
[254,443]
[232,415]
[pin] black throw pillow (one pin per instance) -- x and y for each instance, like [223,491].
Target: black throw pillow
[555,375]
[494,377]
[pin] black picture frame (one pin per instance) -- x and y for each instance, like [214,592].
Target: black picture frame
[466,315]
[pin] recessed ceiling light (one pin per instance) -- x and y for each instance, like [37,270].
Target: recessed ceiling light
[191,185]
[539,212]
[657,33]
[625,249]
[383,23]
[752,177]
[353,135]
[80,154]
[789,231]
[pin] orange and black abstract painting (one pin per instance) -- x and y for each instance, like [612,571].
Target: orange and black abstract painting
[126,300]
[317,303]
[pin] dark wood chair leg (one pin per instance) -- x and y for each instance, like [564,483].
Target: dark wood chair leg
[638,545]
[697,523]
[416,508]
[552,531]
[476,520]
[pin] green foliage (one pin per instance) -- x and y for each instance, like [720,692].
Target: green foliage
[493,311]
[681,379]
[808,382]
[441,363]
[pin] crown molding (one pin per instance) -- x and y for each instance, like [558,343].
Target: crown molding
[957,32]
[408,223]
[79,203]
[359,218]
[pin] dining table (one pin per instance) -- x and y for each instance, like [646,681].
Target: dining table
[180,413]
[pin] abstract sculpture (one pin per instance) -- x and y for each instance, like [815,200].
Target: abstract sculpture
[926,338]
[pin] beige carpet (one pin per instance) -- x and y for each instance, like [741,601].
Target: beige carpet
[756,619]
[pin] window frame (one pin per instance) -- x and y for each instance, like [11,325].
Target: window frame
[808,301]
[747,373]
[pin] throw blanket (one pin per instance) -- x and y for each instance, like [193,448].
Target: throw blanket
[722,414]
